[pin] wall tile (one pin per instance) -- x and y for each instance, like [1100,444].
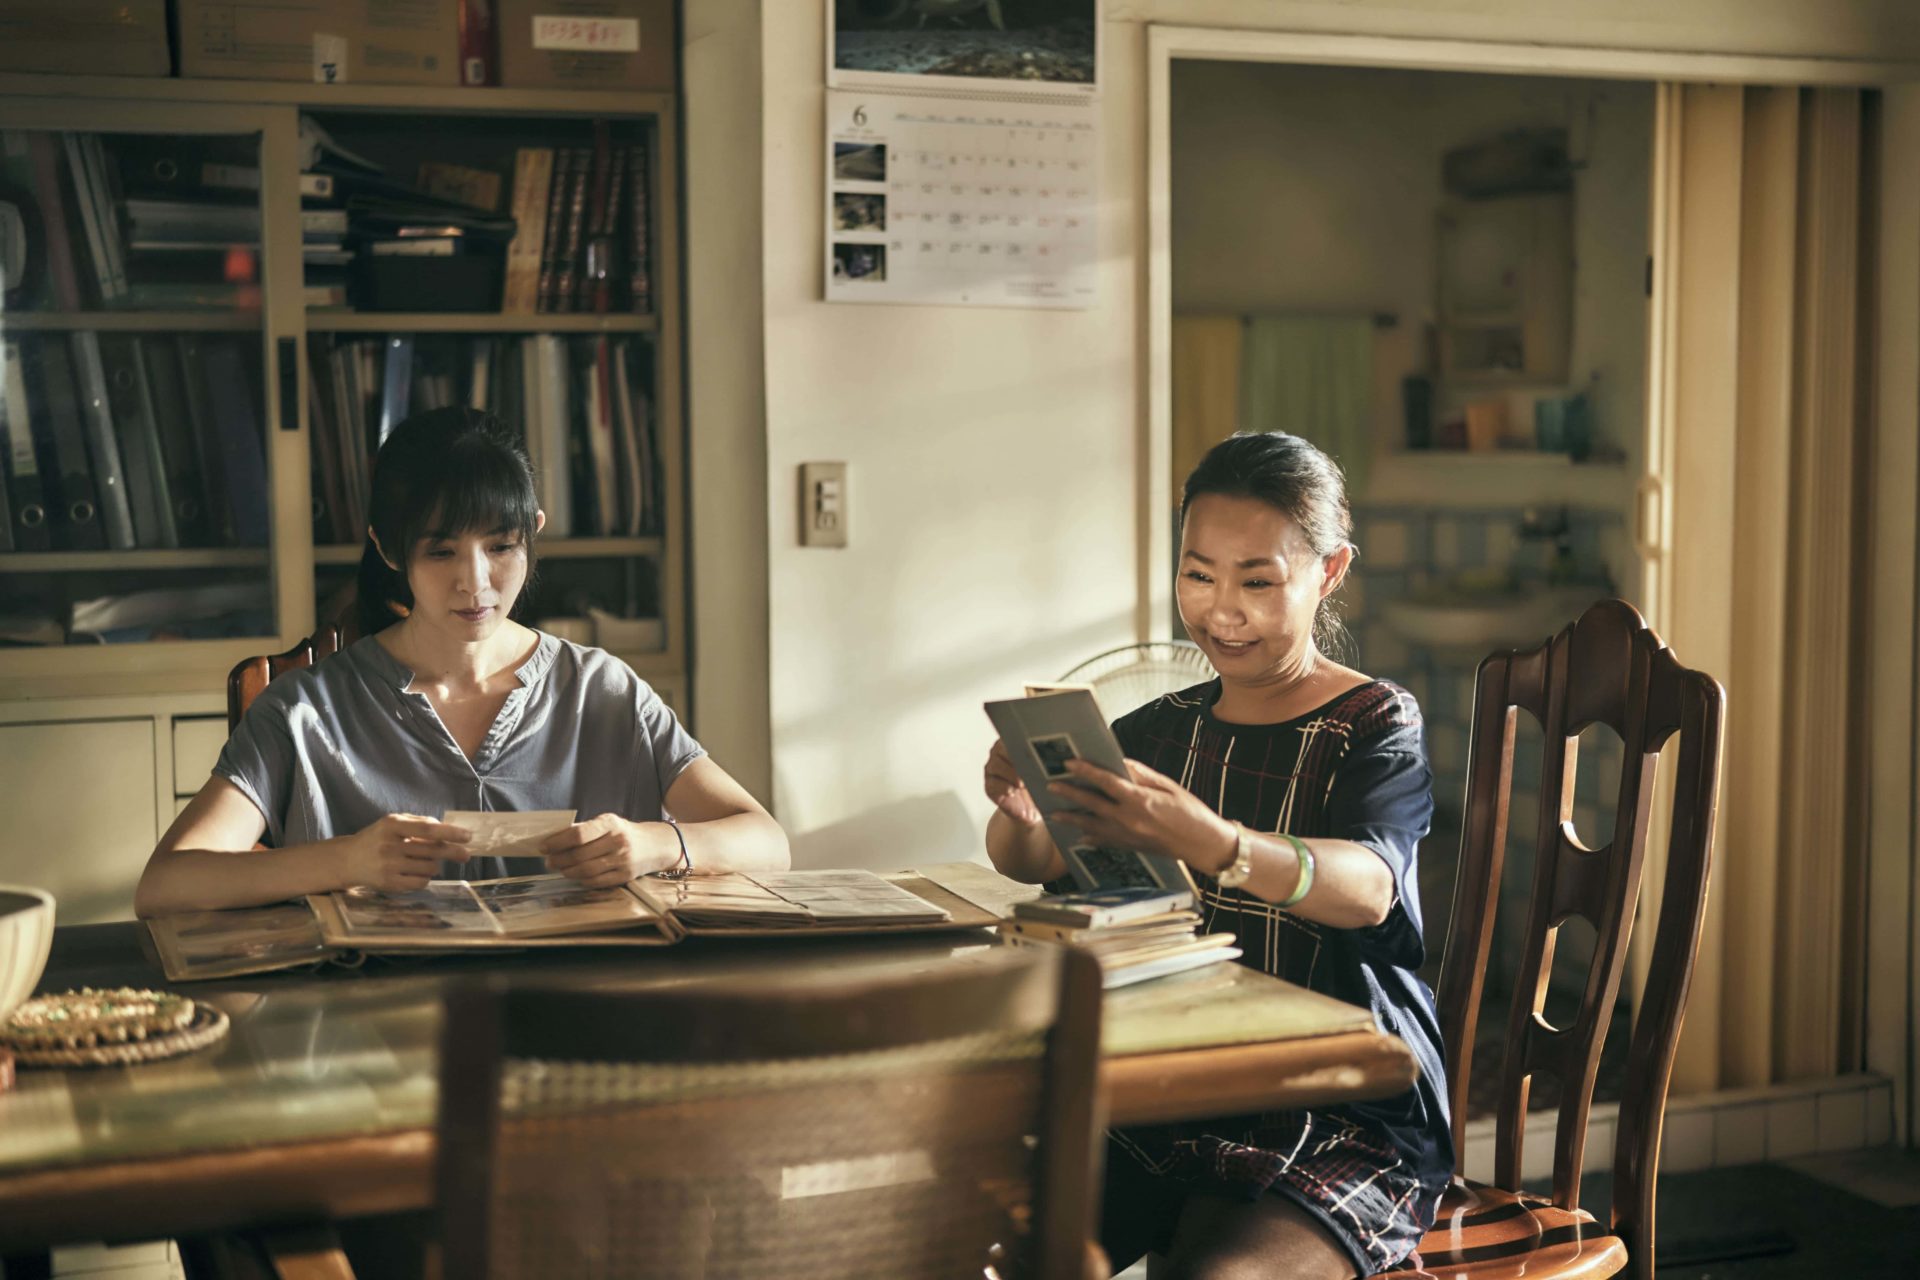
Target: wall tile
[1445,546]
[1686,1143]
[1792,1128]
[1444,753]
[1842,1120]
[1473,543]
[1382,653]
[1479,1161]
[1536,1158]
[1740,1135]
[1352,600]
[1501,541]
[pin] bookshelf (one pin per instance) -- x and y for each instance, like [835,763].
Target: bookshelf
[632,565]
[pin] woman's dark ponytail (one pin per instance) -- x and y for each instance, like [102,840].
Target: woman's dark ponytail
[1293,476]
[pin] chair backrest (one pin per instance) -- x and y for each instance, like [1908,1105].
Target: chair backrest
[1605,668]
[250,675]
[797,1128]
[1135,674]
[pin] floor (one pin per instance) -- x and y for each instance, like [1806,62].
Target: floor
[1854,1214]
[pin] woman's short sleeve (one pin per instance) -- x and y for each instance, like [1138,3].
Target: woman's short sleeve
[259,759]
[1382,797]
[662,739]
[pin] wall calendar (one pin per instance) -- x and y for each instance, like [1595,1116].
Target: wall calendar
[960,201]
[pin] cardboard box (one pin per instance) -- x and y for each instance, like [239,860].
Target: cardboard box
[85,37]
[326,41]
[587,44]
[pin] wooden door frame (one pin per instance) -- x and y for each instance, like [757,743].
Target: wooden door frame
[1893,994]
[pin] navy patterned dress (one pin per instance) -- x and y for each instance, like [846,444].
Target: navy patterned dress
[1370,1172]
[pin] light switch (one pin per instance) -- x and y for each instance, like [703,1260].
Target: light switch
[823,504]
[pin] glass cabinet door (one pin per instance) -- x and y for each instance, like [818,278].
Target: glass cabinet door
[137,377]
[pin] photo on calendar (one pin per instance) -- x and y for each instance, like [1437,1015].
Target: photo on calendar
[859,162]
[1043,44]
[860,262]
[855,212]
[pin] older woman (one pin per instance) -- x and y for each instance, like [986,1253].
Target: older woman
[447,703]
[1297,791]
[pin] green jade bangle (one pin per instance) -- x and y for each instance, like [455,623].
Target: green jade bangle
[1305,855]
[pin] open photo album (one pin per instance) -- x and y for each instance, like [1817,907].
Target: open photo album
[542,911]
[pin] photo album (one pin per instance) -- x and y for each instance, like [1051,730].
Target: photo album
[544,911]
[1042,732]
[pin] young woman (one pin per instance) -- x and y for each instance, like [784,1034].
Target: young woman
[1297,790]
[447,703]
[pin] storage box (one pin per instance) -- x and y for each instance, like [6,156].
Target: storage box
[89,37]
[587,44]
[327,41]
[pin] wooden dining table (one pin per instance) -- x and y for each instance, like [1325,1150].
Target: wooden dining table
[320,1103]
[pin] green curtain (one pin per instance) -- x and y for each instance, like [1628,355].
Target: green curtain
[1312,376]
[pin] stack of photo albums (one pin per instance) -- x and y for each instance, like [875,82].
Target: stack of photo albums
[1147,940]
[1133,911]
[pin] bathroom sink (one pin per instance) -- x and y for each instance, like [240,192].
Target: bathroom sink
[1477,622]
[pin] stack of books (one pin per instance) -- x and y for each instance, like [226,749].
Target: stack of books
[1134,939]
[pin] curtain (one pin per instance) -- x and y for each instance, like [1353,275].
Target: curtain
[1206,388]
[1313,376]
[1764,432]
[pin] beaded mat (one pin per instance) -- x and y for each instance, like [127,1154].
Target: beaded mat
[104,1028]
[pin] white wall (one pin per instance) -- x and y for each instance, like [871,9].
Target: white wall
[991,477]
[996,456]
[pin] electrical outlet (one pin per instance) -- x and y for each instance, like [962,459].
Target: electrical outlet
[823,504]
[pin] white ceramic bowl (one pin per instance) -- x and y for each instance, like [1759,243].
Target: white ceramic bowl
[26,936]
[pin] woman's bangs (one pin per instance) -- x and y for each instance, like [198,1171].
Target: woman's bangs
[476,491]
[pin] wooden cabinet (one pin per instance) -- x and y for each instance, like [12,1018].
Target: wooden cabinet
[80,811]
[1505,290]
[268,548]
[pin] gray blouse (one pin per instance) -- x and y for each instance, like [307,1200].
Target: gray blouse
[330,749]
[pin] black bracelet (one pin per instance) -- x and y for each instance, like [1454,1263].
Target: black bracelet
[685,868]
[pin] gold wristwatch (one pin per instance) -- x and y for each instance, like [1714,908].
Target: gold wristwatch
[1235,873]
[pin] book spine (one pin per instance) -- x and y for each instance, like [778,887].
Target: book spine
[605,450]
[605,272]
[53,204]
[231,394]
[109,478]
[479,55]
[552,233]
[84,204]
[103,192]
[532,175]
[29,499]
[153,525]
[73,502]
[639,231]
[160,360]
[566,274]
[396,383]
[192,368]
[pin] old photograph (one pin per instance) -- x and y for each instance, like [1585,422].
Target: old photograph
[1029,42]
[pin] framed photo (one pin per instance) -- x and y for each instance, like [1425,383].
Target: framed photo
[1049,47]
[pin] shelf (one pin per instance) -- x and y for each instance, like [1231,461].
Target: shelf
[108,561]
[473,322]
[132,321]
[556,549]
[1495,478]
[420,99]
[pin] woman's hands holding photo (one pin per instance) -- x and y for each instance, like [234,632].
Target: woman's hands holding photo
[400,853]
[609,850]
[1006,790]
[1147,811]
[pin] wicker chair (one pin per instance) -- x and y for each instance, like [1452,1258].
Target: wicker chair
[917,1126]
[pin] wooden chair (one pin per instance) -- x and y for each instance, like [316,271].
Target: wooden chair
[1605,668]
[250,675]
[879,1128]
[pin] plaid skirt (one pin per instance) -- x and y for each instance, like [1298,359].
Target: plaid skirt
[1347,1177]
